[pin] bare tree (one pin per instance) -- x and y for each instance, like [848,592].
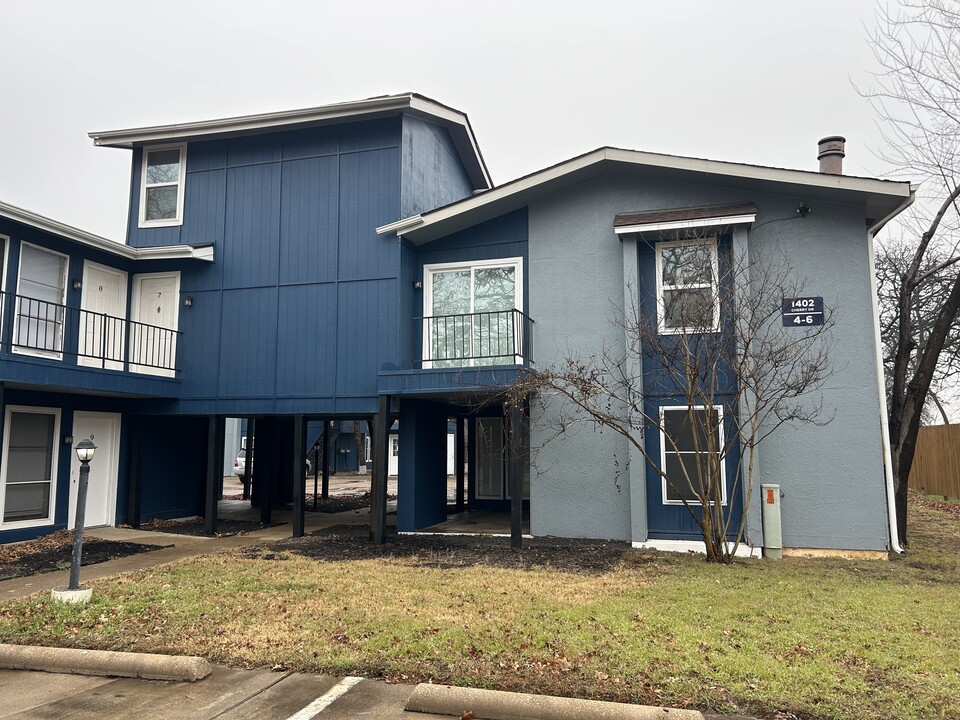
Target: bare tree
[734,375]
[917,96]
[893,260]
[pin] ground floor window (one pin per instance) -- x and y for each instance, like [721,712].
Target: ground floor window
[687,437]
[29,464]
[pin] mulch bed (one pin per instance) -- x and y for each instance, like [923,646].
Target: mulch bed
[53,552]
[333,504]
[344,542]
[195,526]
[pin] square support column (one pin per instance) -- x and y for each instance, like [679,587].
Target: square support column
[214,473]
[299,474]
[378,483]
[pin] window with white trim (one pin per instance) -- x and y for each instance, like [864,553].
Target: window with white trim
[161,194]
[41,294]
[29,465]
[472,313]
[687,298]
[687,438]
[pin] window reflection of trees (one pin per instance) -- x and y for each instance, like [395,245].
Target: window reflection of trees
[472,317]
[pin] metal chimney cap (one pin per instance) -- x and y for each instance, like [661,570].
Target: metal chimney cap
[832,145]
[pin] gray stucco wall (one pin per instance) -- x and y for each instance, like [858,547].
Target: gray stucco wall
[831,476]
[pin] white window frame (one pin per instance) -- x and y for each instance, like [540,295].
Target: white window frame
[430,270]
[663,452]
[38,352]
[54,464]
[162,222]
[711,243]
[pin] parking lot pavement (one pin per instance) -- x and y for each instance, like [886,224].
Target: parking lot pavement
[226,694]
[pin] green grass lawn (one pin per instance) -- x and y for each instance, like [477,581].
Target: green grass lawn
[818,638]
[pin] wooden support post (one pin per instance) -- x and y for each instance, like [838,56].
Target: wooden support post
[378,485]
[299,474]
[458,455]
[325,486]
[214,476]
[515,474]
[248,459]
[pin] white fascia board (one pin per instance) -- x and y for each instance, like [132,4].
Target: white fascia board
[759,172]
[454,117]
[655,160]
[398,226]
[248,123]
[683,224]
[82,237]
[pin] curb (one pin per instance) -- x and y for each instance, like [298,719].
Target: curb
[499,705]
[103,662]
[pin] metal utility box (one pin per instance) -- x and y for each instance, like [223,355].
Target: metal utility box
[770,512]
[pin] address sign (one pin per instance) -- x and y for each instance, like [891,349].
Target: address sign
[802,311]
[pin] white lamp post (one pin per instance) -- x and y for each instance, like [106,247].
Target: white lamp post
[73,593]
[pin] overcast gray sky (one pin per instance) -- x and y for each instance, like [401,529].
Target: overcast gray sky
[748,81]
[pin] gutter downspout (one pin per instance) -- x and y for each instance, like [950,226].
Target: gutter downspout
[881,386]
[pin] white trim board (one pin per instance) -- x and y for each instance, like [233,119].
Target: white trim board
[685,224]
[688,546]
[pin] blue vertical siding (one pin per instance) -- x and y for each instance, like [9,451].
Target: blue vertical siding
[433,175]
[369,197]
[307,333]
[250,254]
[249,344]
[309,220]
[280,315]
[201,344]
[366,334]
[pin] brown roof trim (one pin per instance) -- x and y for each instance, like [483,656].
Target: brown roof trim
[704,212]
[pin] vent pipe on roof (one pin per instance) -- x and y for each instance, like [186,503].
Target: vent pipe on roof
[831,153]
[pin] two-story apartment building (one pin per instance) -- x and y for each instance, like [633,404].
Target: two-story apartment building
[354,261]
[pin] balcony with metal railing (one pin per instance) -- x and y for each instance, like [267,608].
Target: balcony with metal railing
[466,352]
[53,331]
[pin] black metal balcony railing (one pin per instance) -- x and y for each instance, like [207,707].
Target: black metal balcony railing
[52,330]
[499,337]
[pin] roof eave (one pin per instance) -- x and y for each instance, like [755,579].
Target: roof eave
[82,237]
[892,191]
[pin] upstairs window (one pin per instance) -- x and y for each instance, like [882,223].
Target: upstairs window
[40,310]
[161,196]
[472,314]
[687,299]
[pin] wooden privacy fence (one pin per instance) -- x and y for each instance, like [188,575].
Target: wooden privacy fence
[936,465]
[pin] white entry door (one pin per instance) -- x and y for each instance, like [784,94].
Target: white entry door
[103,317]
[104,430]
[153,339]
